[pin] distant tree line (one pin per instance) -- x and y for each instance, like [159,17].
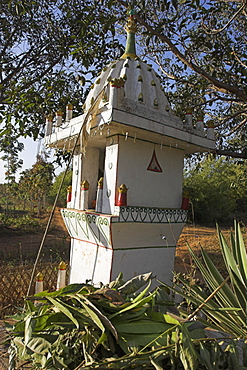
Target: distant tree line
[217,189]
[36,189]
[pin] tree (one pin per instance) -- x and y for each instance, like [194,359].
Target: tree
[35,183]
[217,189]
[63,193]
[10,156]
[199,46]
[11,149]
[45,45]
[201,49]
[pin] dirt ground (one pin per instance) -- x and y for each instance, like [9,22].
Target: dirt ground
[195,236]
[18,247]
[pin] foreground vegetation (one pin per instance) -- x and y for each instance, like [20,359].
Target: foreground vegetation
[224,301]
[124,325]
[115,327]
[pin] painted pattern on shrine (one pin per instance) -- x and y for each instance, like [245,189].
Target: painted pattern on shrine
[88,226]
[150,215]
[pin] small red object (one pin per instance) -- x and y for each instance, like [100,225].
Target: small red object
[122,196]
[185,201]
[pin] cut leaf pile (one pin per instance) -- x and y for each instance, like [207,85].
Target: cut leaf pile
[120,326]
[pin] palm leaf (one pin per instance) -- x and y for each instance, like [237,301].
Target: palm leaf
[230,262]
[241,253]
[225,295]
[96,315]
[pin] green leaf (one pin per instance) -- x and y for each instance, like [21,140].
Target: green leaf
[205,358]
[131,306]
[30,323]
[241,252]
[39,345]
[142,293]
[240,291]
[21,348]
[118,282]
[143,326]
[133,315]
[95,318]
[61,307]
[213,279]
[188,354]
[230,262]
[72,288]
[222,320]
[135,284]
[127,340]
[97,315]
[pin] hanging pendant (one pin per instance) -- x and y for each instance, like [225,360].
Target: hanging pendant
[154,164]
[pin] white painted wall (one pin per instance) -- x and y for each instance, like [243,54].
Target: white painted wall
[76,180]
[148,188]
[110,174]
[135,234]
[90,170]
[89,262]
[139,261]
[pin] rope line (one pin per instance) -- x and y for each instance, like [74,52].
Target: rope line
[60,187]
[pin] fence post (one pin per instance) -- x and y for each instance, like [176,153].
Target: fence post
[39,285]
[61,276]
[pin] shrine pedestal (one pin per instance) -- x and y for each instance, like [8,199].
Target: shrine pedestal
[133,241]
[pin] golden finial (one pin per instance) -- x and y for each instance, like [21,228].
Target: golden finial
[130,28]
[122,188]
[39,276]
[100,183]
[85,185]
[62,265]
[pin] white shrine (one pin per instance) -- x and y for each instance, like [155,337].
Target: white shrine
[125,213]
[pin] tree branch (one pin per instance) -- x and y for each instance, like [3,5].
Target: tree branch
[229,153]
[219,85]
[172,77]
[239,61]
[215,32]
[238,126]
[8,42]
[18,66]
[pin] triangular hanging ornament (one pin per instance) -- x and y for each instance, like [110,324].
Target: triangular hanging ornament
[154,164]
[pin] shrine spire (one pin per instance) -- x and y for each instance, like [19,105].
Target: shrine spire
[130,28]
